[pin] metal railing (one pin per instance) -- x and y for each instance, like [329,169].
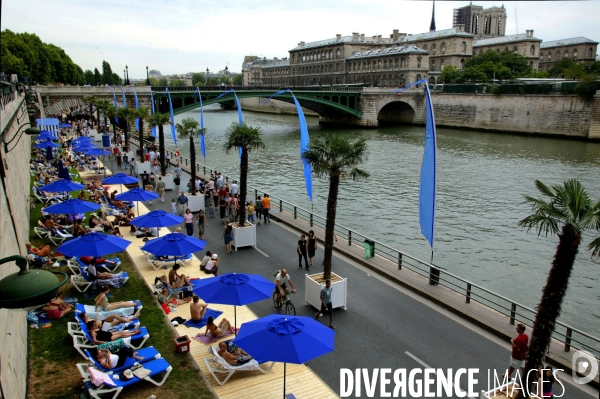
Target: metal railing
[564,333]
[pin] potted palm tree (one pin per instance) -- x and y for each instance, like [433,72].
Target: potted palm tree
[91,101]
[111,110]
[567,211]
[126,114]
[246,138]
[189,128]
[160,120]
[335,155]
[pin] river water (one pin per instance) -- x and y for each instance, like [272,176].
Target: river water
[482,178]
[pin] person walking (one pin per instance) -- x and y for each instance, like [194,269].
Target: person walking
[266,207]
[182,202]
[125,161]
[227,236]
[302,250]
[177,182]
[160,189]
[202,222]
[258,208]
[518,353]
[251,211]
[188,220]
[222,209]
[312,247]
[119,160]
[174,207]
[326,305]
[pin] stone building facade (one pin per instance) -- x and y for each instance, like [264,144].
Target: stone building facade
[580,49]
[524,44]
[480,22]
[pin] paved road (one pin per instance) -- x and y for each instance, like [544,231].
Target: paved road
[384,326]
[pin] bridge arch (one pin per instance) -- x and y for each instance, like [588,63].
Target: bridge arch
[396,112]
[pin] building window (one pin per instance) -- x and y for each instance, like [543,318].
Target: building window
[549,57]
[403,63]
[566,53]
[338,53]
[575,54]
[396,63]
[441,65]
[590,53]
[541,57]
[433,65]
[443,48]
[462,63]
[463,47]
[425,47]
[433,49]
[532,50]
[418,62]
[337,67]
[515,49]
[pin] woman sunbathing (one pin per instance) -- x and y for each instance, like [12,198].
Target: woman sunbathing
[100,336]
[57,308]
[215,331]
[103,305]
[177,280]
[165,297]
[113,322]
[108,360]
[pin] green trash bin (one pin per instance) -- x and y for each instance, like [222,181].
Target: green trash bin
[369,246]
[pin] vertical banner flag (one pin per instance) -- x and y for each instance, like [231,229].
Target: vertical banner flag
[152,103]
[172,116]
[239,108]
[123,95]
[202,146]
[115,102]
[428,168]
[137,120]
[304,141]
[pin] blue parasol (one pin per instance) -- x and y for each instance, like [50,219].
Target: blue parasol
[62,186]
[93,244]
[46,144]
[174,244]
[72,206]
[137,194]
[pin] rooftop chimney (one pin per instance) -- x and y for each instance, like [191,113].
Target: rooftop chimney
[338,37]
[301,44]
[395,35]
[354,36]
[362,37]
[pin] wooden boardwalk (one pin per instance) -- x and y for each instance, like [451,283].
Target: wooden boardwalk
[300,380]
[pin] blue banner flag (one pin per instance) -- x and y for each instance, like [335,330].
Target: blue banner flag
[304,141]
[239,108]
[123,95]
[202,146]
[152,103]
[137,120]
[172,116]
[428,168]
[115,102]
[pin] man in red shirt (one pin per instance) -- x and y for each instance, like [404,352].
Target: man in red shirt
[519,351]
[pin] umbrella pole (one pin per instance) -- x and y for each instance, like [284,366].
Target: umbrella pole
[234,320]
[284,364]
[138,207]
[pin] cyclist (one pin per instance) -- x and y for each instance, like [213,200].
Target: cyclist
[281,279]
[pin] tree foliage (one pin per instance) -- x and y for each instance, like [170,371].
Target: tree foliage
[198,79]
[176,83]
[488,66]
[238,79]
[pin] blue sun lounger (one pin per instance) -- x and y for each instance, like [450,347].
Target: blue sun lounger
[150,353]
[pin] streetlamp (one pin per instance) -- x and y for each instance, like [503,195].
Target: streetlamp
[124,78]
[127,81]
[226,70]
[207,72]
[147,77]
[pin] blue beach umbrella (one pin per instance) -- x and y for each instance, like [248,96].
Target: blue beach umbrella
[93,244]
[137,194]
[157,218]
[62,186]
[63,125]
[287,339]
[96,151]
[120,178]
[72,207]
[235,289]
[82,140]
[46,144]
[174,244]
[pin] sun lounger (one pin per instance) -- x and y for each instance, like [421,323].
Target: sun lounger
[156,367]
[150,353]
[218,365]
[83,281]
[82,339]
[75,262]
[158,264]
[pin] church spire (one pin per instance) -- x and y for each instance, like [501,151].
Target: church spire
[432,25]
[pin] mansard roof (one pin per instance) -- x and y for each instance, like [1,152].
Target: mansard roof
[334,41]
[567,42]
[504,39]
[410,49]
[434,35]
[277,64]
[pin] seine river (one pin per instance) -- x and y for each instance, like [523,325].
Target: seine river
[482,178]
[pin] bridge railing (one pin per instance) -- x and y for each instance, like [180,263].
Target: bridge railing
[159,89]
[437,275]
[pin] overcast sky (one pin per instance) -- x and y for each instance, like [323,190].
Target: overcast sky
[178,36]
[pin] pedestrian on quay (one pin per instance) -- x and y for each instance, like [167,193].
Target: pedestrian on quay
[152,181]
[125,161]
[251,209]
[188,220]
[326,305]
[119,160]
[258,209]
[155,166]
[202,222]
[227,236]
[518,353]
[215,196]
[302,250]
[312,247]
[132,167]
[182,202]
[145,181]
[168,159]
[266,207]
[233,206]
[177,157]
[177,182]
[222,209]
[160,189]
[174,207]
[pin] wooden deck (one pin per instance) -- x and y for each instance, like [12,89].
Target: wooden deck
[300,380]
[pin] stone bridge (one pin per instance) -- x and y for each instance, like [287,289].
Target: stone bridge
[546,114]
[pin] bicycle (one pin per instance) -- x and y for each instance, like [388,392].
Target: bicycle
[286,303]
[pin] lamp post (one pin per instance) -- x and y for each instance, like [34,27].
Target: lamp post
[127,83]
[147,77]
[124,78]
[207,76]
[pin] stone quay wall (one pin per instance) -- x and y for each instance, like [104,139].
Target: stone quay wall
[14,233]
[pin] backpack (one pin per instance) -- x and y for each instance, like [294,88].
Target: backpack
[276,273]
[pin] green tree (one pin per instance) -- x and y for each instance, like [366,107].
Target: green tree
[154,82]
[189,128]
[89,77]
[160,120]
[335,155]
[106,73]
[565,210]
[176,83]
[163,82]
[560,66]
[126,114]
[247,138]
[111,110]
[97,77]
[116,80]
[592,68]
[450,74]
[225,79]
[103,105]
[492,65]
[587,87]
[142,114]
[238,80]
[213,81]
[91,101]
[197,79]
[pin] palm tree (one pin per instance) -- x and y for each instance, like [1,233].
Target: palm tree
[102,105]
[126,114]
[594,221]
[142,113]
[160,120]
[91,100]
[568,211]
[337,155]
[247,138]
[190,128]
[111,110]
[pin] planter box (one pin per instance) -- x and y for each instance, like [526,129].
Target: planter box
[244,236]
[168,180]
[195,202]
[143,167]
[312,292]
